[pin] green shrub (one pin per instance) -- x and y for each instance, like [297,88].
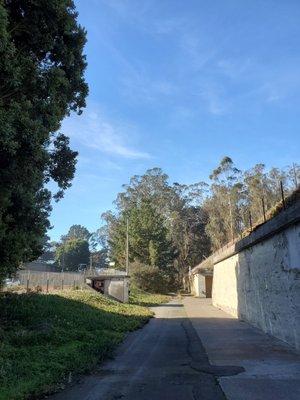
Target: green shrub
[152,279]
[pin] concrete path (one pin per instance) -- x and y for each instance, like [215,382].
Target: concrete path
[166,360]
[272,368]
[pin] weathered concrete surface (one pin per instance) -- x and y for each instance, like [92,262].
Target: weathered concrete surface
[257,278]
[164,360]
[198,285]
[272,368]
[261,284]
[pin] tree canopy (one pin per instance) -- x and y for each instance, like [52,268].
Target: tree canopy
[235,195]
[71,253]
[175,226]
[77,232]
[148,237]
[41,81]
[166,223]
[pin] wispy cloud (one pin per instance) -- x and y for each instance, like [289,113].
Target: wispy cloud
[215,104]
[235,69]
[139,87]
[215,70]
[135,82]
[104,163]
[92,129]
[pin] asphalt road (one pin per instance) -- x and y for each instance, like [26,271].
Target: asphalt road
[164,360]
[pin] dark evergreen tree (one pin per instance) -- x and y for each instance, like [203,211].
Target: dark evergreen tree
[72,253]
[41,81]
[77,232]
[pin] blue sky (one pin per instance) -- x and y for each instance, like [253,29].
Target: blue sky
[179,84]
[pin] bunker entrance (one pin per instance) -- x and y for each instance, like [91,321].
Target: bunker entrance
[114,286]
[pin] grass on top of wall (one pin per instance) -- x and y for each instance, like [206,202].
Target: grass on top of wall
[45,339]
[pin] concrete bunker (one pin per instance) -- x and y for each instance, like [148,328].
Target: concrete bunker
[201,279]
[115,286]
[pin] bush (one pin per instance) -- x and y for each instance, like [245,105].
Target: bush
[152,279]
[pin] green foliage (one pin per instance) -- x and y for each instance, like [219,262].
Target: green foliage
[189,237]
[234,195]
[49,249]
[148,242]
[177,226]
[41,82]
[225,194]
[148,236]
[152,279]
[99,258]
[44,338]
[77,232]
[72,253]
[142,298]
[166,224]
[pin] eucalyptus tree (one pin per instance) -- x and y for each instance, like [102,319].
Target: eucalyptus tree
[166,222]
[224,203]
[238,199]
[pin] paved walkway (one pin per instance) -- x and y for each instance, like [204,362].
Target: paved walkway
[153,363]
[167,360]
[272,368]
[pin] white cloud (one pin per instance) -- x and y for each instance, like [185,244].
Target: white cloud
[103,163]
[236,69]
[215,104]
[166,26]
[92,129]
[215,72]
[139,87]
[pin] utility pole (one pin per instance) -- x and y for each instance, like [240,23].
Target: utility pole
[91,262]
[127,248]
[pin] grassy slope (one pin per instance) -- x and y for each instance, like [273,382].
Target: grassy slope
[44,338]
[141,298]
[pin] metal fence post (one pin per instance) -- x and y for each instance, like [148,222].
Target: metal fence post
[282,194]
[264,208]
[295,176]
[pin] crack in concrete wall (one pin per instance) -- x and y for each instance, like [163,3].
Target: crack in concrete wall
[261,284]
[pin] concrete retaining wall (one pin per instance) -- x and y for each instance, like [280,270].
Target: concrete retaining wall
[258,278]
[261,283]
